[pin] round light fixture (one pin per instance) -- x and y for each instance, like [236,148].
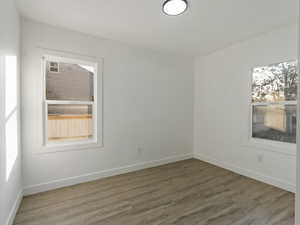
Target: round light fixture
[175,7]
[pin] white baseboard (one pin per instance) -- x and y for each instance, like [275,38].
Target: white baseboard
[248,173]
[14,210]
[130,168]
[29,190]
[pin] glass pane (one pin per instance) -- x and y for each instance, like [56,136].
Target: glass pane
[66,81]
[274,83]
[275,122]
[69,122]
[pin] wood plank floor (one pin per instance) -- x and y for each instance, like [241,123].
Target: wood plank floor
[189,192]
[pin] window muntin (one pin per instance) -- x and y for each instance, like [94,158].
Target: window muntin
[70,101]
[273,104]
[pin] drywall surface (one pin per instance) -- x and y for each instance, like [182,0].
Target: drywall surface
[147,109]
[222,109]
[298,145]
[10,159]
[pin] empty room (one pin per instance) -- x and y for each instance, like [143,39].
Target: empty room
[149,112]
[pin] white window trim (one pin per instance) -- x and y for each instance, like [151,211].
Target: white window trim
[97,140]
[264,144]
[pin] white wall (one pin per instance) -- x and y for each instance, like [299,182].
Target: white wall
[297,210]
[10,163]
[221,111]
[148,102]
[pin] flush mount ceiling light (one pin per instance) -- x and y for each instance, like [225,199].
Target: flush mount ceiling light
[175,7]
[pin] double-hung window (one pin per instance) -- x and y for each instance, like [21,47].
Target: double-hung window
[274,102]
[70,101]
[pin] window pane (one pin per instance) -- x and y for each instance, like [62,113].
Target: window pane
[275,122]
[277,82]
[69,122]
[65,81]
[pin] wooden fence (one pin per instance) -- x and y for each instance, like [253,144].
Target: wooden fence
[66,127]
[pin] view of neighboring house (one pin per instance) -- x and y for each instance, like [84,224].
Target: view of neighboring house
[69,82]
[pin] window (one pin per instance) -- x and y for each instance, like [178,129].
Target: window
[70,101]
[274,102]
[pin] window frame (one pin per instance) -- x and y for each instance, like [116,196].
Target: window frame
[70,144]
[265,144]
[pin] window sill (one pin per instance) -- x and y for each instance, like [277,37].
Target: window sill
[273,146]
[71,146]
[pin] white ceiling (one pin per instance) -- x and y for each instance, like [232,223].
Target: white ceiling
[208,25]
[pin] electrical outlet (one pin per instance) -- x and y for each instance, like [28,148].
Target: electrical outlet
[139,150]
[260,158]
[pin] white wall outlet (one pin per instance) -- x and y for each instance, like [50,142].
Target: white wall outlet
[139,150]
[260,158]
